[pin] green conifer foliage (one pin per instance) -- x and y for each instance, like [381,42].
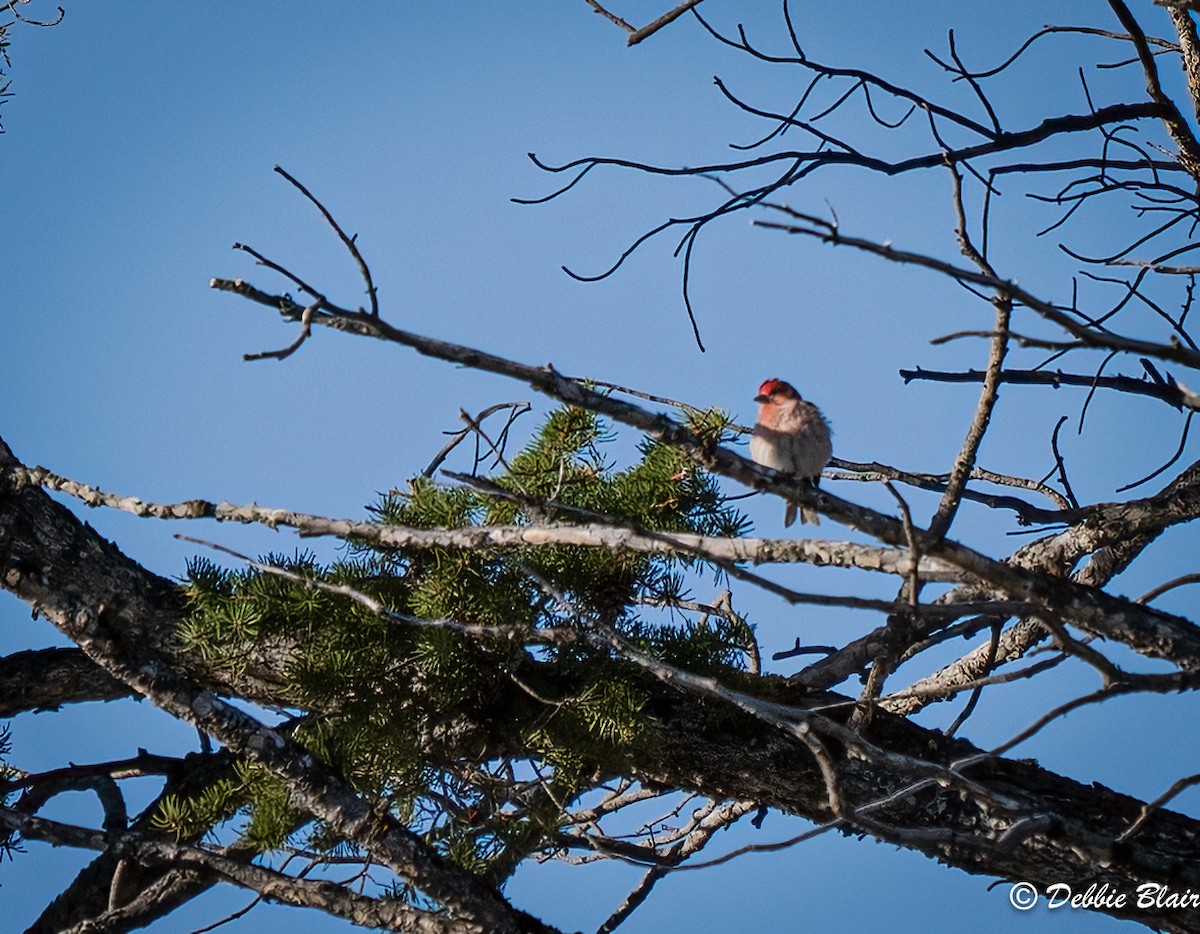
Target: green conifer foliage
[393,704]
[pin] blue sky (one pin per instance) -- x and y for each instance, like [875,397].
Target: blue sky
[140,144]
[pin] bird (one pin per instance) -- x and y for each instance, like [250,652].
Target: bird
[791,436]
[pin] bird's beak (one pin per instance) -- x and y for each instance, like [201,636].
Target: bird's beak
[762,399]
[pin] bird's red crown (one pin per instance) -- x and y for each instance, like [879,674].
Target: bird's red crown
[771,386]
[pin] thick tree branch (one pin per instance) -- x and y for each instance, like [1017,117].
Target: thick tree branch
[1090,817]
[1177,126]
[1189,48]
[45,679]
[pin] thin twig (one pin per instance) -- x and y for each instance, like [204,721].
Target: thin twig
[1147,810]
[349,242]
[1156,592]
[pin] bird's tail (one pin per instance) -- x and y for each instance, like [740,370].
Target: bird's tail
[807,515]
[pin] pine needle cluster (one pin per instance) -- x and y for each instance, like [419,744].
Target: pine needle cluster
[482,722]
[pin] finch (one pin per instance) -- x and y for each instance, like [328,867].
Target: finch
[791,436]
